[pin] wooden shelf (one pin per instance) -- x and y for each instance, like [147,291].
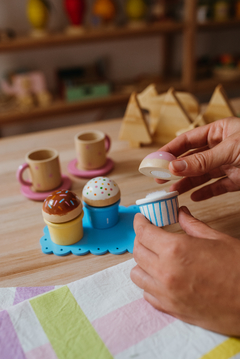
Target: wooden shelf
[208,85]
[189,28]
[219,25]
[60,107]
[59,39]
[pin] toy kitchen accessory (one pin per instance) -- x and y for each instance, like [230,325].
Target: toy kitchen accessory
[44,168]
[91,150]
[101,197]
[62,212]
[160,208]
[156,165]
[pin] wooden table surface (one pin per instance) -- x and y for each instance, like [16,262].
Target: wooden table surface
[22,262]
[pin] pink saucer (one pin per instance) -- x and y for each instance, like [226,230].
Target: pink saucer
[72,168]
[40,196]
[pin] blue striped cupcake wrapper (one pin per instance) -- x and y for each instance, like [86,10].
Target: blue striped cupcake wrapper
[161,213]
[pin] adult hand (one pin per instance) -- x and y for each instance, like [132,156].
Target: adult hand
[193,276]
[216,156]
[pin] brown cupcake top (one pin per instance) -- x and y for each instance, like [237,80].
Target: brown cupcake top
[61,206]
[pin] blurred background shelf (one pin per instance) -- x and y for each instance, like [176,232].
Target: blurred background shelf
[12,115]
[62,39]
[177,38]
[218,25]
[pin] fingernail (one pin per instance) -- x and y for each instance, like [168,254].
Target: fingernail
[179,165]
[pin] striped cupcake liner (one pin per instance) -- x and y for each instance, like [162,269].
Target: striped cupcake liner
[161,213]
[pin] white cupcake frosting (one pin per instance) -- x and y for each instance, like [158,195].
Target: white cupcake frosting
[100,188]
[156,196]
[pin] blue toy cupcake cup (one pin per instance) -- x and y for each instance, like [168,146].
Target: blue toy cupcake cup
[160,208]
[102,217]
[101,198]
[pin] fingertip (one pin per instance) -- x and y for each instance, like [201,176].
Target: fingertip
[184,214]
[139,217]
[178,166]
[185,210]
[139,221]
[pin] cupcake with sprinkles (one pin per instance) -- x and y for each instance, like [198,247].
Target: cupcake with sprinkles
[62,212]
[101,198]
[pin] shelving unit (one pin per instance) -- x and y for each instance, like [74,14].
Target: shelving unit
[63,39]
[167,30]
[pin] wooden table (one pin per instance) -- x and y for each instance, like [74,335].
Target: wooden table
[22,262]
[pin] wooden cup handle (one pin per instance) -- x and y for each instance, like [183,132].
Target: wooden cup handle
[20,171]
[107,143]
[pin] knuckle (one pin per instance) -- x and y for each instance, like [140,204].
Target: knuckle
[175,249]
[201,162]
[171,280]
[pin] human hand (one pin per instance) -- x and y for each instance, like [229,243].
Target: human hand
[216,156]
[192,276]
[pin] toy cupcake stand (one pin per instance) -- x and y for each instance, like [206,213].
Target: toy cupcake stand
[115,240]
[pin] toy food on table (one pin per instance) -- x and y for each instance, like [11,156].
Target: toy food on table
[160,208]
[101,197]
[62,212]
[156,165]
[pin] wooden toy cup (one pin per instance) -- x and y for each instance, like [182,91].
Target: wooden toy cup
[91,148]
[44,168]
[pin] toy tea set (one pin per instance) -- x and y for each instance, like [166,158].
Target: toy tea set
[97,224]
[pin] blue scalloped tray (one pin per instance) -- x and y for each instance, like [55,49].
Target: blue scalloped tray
[116,240]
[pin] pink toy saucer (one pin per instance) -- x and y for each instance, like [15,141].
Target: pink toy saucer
[72,168]
[40,196]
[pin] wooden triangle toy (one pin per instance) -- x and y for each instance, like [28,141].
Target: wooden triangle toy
[197,123]
[151,101]
[134,126]
[173,117]
[219,106]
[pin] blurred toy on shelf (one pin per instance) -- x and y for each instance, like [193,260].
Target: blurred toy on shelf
[221,10]
[227,67]
[203,10]
[75,10]
[38,16]
[7,34]
[104,12]
[83,82]
[157,10]
[136,11]
[237,9]
[28,88]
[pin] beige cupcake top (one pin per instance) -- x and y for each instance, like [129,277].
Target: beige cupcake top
[101,192]
[61,206]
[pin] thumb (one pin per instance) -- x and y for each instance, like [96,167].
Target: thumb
[200,163]
[195,228]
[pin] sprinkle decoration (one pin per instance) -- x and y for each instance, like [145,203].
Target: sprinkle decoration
[61,202]
[100,188]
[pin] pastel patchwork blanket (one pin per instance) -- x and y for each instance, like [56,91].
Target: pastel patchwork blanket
[102,316]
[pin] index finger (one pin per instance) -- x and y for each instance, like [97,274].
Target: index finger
[196,138]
